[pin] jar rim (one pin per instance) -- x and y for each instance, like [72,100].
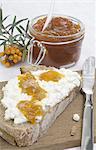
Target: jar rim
[82,30]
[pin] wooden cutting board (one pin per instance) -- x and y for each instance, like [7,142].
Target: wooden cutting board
[58,136]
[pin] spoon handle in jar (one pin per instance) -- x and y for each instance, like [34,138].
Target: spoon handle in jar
[49,17]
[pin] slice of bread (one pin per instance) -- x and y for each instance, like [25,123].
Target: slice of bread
[26,134]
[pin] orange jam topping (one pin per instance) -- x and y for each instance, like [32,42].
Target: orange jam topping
[30,110]
[51,76]
[30,86]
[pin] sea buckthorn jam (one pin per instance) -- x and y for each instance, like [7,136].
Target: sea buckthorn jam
[62,40]
[57,27]
[29,85]
[51,76]
[31,108]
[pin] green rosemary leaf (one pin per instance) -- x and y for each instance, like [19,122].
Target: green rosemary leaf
[2,35]
[0,32]
[21,38]
[14,20]
[16,23]
[1,39]
[13,24]
[28,36]
[3,43]
[19,30]
[22,28]
[5,32]
[5,18]
[1,16]
[28,43]
[3,26]
[18,42]
[8,26]
[27,26]
[15,36]
[11,39]
[20,21]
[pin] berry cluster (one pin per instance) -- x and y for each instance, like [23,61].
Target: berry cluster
[12,55]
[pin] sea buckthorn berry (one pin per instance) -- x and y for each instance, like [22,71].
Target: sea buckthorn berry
[7,47]
[12,51]
[20,53]
[3,62]
[15,61]
[7,64]
[2,54]
[7,51]
[10,57]
[19,58]
[15,56]
[17,51]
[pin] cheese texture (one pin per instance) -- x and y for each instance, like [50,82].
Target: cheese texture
[58,84]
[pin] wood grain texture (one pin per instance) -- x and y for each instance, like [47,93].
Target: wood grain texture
[58,136]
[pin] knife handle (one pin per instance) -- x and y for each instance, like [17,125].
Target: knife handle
[87,133]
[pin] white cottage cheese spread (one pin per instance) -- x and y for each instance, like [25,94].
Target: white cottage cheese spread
[56,91]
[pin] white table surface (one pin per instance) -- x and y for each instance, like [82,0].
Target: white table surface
[84,10]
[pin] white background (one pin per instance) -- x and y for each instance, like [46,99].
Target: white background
[81,9]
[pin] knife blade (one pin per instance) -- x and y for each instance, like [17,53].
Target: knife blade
[88,80]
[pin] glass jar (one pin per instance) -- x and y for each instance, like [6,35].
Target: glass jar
[60,50]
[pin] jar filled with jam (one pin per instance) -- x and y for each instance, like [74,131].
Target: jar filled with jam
[59,44]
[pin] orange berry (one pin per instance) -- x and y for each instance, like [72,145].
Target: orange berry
[17,51]
[12,50]
[7,51]
[11,57]
[7,47]
[3,62]
[19,58]
[20,53]
[15,56]
[15,61]
[7,64]
[2,54]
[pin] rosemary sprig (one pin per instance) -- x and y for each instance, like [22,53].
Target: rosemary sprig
[25,38]
[7,36]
